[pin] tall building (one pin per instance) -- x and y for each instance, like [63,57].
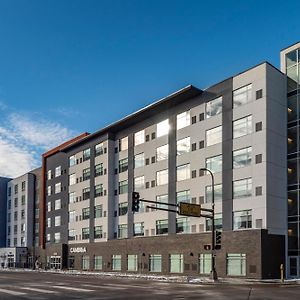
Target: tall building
[235,128]
[290,65]
[3,207]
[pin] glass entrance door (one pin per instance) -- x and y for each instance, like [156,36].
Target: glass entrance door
[294,269]
[55,262]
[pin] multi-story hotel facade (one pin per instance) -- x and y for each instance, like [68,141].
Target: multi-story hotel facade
[236,128]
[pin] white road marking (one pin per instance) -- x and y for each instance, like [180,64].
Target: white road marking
[12,292]
[104,287]
[72,288]
[38,290]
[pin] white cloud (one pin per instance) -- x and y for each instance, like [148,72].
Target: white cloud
[24,139]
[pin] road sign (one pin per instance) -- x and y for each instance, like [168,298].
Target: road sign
[188,209]
[207,247]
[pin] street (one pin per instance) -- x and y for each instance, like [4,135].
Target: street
[40,286]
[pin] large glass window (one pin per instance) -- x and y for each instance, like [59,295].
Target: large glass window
[138,229]
[57,204]
[139,160]
[176,263]
[162,152]
[72,197]
[86,174]
[72,179]
[139,183]
[123,187]
[214,164]
[236,264]
[242,96]
[162,198]
[86,154]
[57,220]
[57,237]
[183,119]
[218,189]
[214,136]
[72,160]
[242,219]
[116,262]
[291,58]
[155,263]
[183,172]
[98,232]
[122,231]
[123,165]
[161,226]
[218,222]
[242,157]
[132,262]
[242,188]
[213,107]
[183,196]
[57,171]
[242,127]
[71,234]
[183,146]
[98,262]
[72,216]
[99,149]
[85,233]
[182,225]
[123,208]
[85,262]
[163,128]
[86,193]
[139,137]
[205,263]
[162,177]
[123,143]
[98,211]
[57,187]
[99,170]
[85,213]
[98,190]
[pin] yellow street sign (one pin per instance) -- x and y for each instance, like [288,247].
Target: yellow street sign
[188,209]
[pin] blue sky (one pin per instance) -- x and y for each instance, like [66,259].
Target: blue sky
[73,66]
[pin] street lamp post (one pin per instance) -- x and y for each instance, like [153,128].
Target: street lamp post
[213,273]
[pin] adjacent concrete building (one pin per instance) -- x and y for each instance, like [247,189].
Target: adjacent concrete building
[3,208]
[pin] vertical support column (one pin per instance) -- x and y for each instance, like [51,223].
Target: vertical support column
[172,173]
[92,195]
[130,184]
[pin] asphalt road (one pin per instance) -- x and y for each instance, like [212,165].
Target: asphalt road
[42,286]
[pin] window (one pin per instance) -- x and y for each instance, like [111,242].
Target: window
[242,127]
[139,183]
[213,107]
[72,197]
[85,262]
[49,190]
[162,152]
[98,232]
[86,174]
[9,191]
[99,170]
[214,164]
[138,229]
[57,187]
[98,262]
[49,206]
[86,193]
[236,264]
[204,263]
[98,190]
[182,225]
[163,128]
[242,96]
[23,186]
[139,137]
[49,174]
[183,196]
[71,234]
[57,204]
[183,172]
[123,143]
[16,189]
[23,227]
[123,165]
[85,213]
[123,187]
[242,158]
[86,154]
[72,179]
[58,171]
[183,119]
[218,222]
[72,160]
[57,237]
[155,263]
[116,262]
[214,136]
[218,190]
[85,233]
[162,177]
[242,188]
[23,200]
[99,149]
[48,238]
[162,198]
[242,219]
[183,146]
[123,208]
[139,160]
[132,262]
[122,231]
[72,216]
[16,202]
[57,220]
[98,211]
[176,263]
[161,226]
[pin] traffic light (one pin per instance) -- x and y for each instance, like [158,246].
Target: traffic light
[218,240]
[135,201]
